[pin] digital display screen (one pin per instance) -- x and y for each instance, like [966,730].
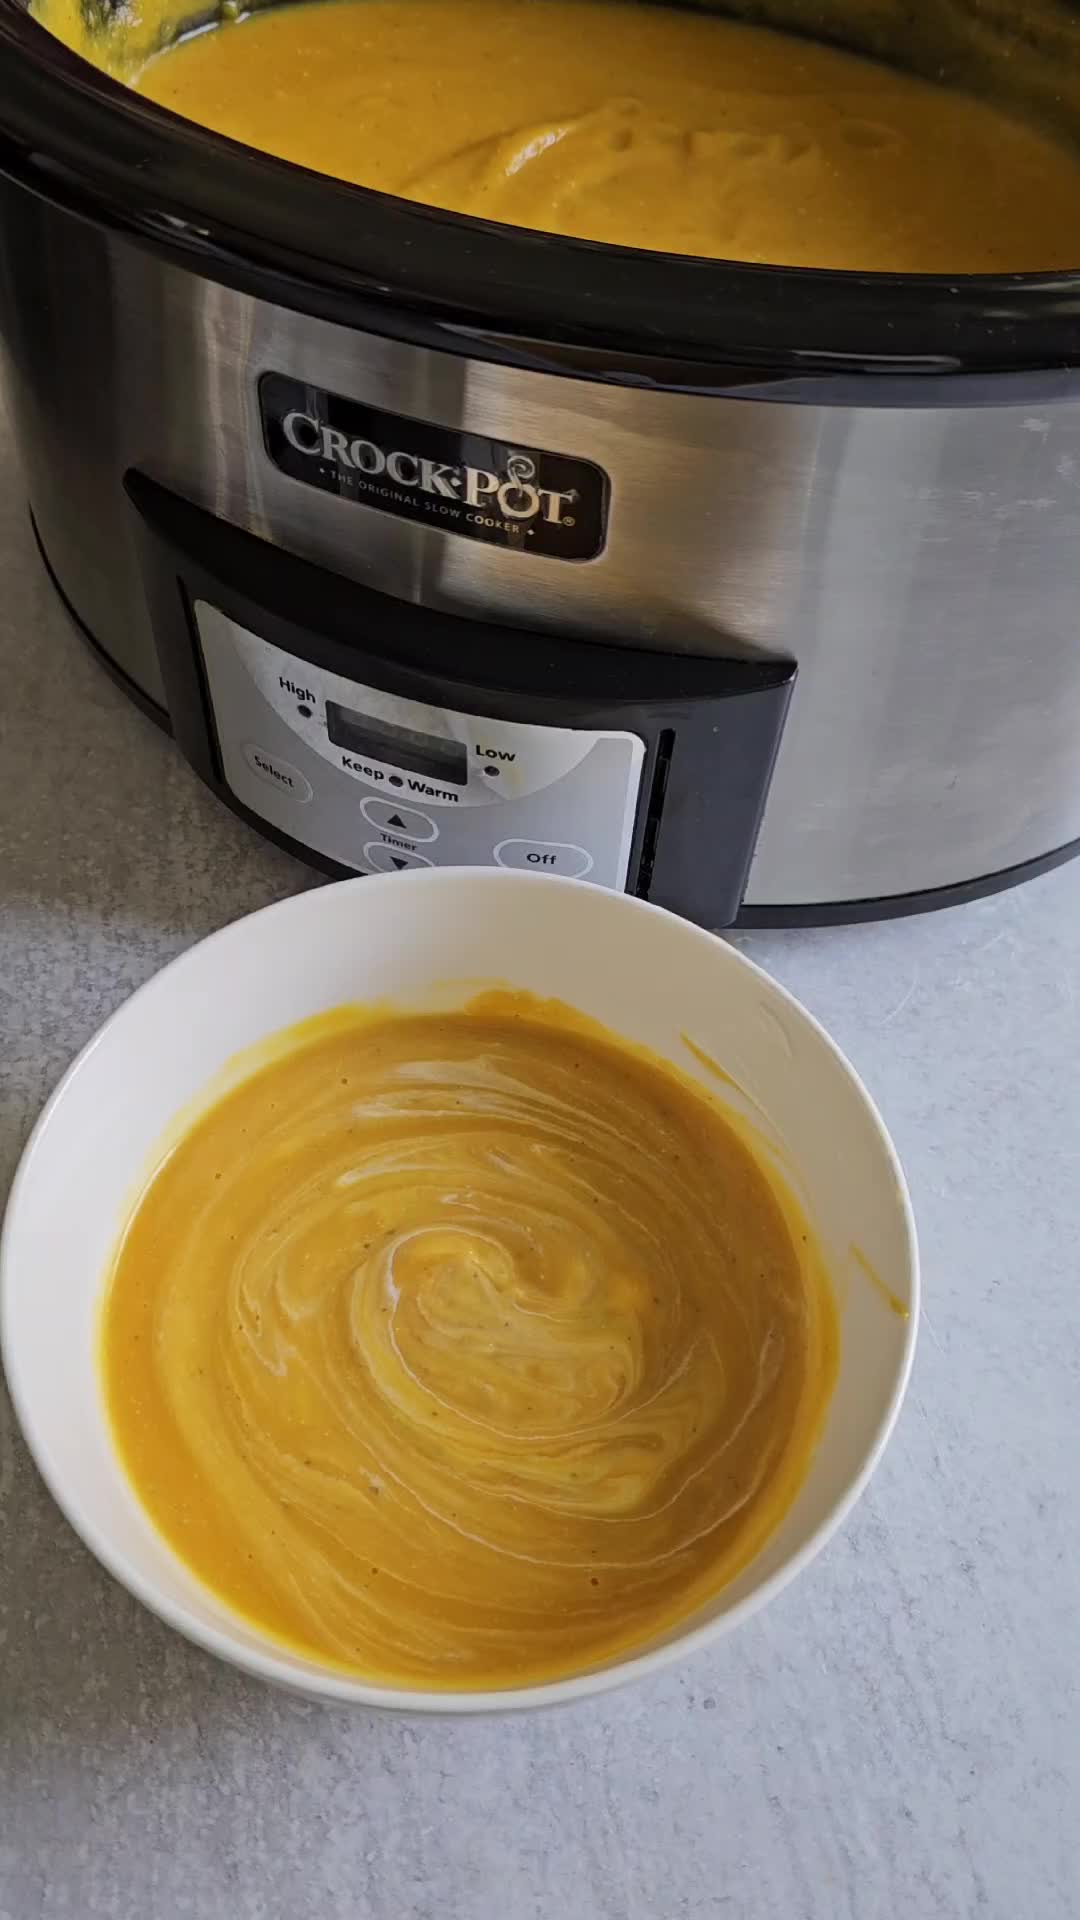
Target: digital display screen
[439,759]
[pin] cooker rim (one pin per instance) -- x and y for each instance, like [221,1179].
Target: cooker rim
[78,137]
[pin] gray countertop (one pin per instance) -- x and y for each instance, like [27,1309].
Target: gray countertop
[898,1737]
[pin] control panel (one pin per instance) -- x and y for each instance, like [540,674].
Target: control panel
[378,782]
[374,733]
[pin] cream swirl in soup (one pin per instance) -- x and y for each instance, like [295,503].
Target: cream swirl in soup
[466,1350]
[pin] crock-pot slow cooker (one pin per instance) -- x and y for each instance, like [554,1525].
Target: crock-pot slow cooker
[752,590]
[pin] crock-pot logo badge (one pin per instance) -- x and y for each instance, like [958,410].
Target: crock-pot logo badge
[514,493]
[515,497]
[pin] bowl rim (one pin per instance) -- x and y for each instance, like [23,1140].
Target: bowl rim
[328,1685]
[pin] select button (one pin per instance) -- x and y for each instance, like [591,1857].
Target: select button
[544,856]
[278,773]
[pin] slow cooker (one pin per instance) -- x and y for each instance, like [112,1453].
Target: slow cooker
[753,591]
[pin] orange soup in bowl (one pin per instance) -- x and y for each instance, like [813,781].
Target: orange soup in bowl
[466,1350]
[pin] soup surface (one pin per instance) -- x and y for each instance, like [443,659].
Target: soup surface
[645,125]
[465,1350]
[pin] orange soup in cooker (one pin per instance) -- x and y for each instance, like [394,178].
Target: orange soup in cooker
[647,125]
[652,126]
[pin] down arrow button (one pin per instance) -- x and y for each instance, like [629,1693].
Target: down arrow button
[379,858]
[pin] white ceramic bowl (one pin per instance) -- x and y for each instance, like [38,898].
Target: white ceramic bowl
[431,938]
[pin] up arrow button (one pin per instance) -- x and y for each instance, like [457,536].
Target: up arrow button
[391,817]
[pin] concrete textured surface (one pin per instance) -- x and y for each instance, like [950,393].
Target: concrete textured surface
[897,1738]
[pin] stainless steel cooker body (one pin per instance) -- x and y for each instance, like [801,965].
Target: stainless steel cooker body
[907,533]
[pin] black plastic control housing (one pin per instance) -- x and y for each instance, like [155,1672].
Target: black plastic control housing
[711,727]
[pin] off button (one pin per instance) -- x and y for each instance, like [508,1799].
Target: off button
[544,856]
